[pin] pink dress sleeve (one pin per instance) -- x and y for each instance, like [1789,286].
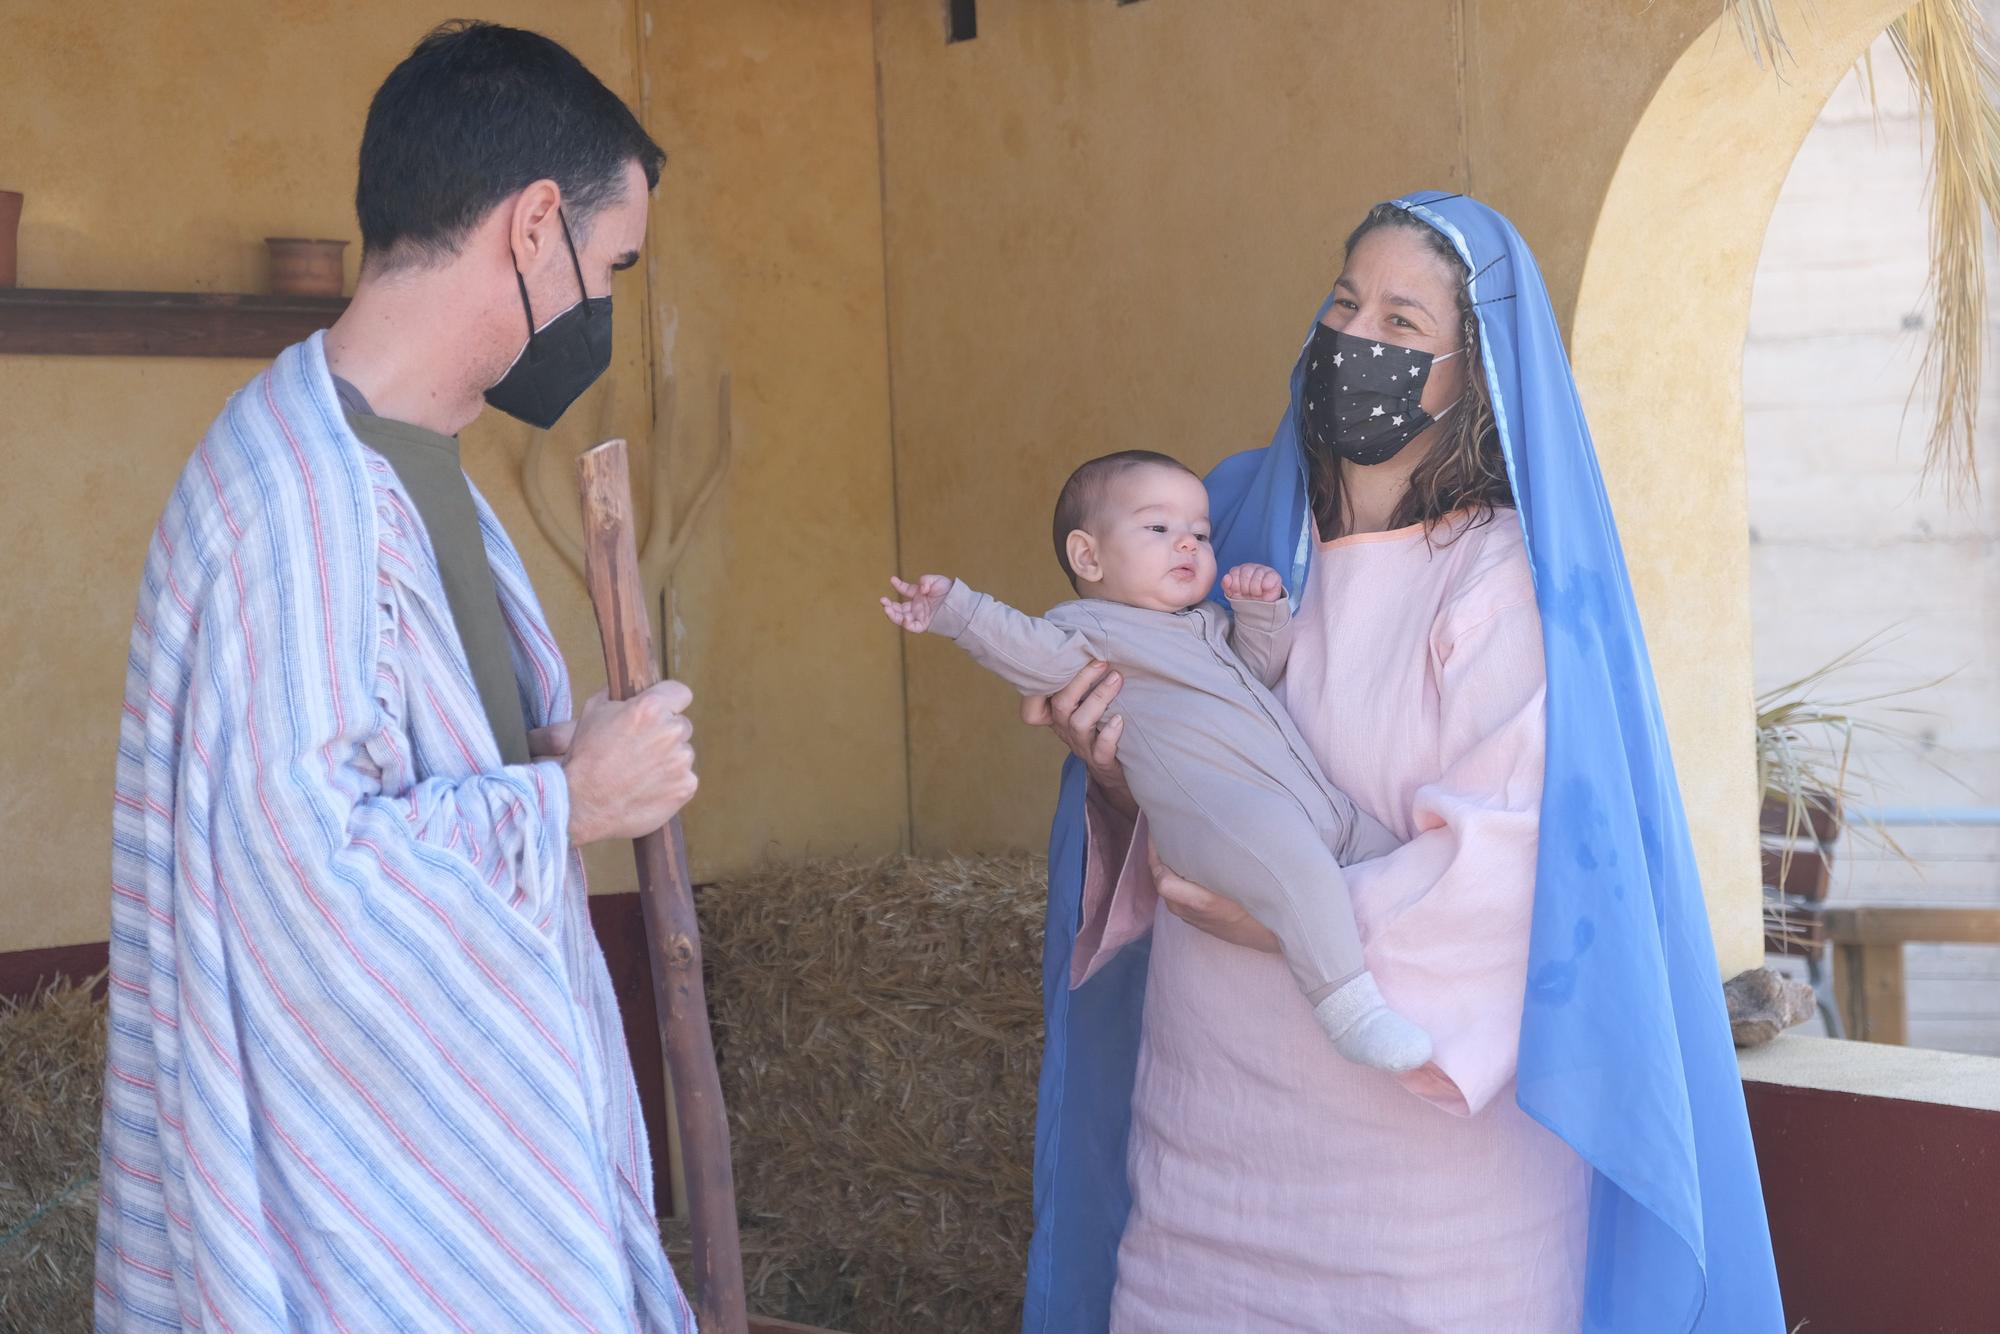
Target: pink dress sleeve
[1445,918]
[1118,893]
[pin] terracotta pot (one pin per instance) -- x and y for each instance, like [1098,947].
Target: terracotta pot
[10,222]
[1807,875]
[304,268]
[1820,821]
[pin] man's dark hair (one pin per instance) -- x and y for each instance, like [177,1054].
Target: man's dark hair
[1083,493]
[475,113]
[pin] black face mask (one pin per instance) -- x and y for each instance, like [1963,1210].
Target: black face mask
[1362,397]
[561,359]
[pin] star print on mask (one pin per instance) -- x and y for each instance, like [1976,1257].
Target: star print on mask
[1365,413]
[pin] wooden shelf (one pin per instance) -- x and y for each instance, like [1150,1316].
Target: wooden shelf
[58,322]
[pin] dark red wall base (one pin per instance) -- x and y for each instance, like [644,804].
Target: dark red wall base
[24,972]
[1885,1214]
[621,932]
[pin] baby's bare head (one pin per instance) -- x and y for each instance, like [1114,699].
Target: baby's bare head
[1132,527]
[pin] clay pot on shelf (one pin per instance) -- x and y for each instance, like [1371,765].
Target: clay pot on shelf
[10,223]
[301,267]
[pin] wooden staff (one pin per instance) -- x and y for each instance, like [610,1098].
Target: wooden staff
[673,940]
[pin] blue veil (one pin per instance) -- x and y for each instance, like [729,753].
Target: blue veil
[1625,1045]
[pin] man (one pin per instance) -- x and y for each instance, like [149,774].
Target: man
[365,1069]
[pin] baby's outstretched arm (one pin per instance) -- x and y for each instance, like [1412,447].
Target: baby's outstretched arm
[1035,655]
[922,600]
[1261,628]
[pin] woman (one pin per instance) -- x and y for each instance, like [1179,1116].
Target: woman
[1470,670]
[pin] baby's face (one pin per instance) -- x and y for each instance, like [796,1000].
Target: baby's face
[1152,540]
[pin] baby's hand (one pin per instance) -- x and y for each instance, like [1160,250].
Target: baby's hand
[924,598]
[1253,583]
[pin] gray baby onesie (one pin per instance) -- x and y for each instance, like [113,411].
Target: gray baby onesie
[1234,796]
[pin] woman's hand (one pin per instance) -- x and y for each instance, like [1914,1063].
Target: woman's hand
[1206,910]
[1076,714]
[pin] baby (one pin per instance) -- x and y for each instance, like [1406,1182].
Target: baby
[1234,797]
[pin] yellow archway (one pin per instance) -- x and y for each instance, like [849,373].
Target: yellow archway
[1657,343]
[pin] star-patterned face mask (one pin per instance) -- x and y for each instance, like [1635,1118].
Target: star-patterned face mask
[1363,397]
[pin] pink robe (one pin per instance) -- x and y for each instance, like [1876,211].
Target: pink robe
[1275,1185]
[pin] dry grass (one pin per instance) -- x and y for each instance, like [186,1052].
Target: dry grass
[879,1030]
[51,1074]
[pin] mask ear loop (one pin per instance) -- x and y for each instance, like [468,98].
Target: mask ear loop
[582,292]
[526,304]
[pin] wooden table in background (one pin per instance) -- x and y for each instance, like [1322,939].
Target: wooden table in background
[1868,959]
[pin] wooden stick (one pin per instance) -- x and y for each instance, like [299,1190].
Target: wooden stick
[673,940]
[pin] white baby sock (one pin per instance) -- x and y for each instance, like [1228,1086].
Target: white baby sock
[1367,1032]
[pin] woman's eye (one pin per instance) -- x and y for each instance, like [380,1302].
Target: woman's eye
[1405,323]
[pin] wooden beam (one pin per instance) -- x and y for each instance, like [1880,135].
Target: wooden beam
[59,322]
[1895,925]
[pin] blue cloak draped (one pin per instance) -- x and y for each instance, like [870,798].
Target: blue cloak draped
[1625,1045]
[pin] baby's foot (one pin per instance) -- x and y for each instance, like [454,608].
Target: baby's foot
[1367,1032]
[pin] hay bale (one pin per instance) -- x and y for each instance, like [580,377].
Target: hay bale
[51,1077]
[879,1030]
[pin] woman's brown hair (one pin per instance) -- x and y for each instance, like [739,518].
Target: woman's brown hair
[1466,471]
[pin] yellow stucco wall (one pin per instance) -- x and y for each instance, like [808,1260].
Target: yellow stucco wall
[938,275]
[158,145]
[767,261]
[1109,228]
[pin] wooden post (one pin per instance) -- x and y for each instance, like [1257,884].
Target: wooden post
[1877,986]
[1868,980]
[673,939]
[1848,992]
[1888,1004]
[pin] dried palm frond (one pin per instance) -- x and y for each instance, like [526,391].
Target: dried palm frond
[1805,743]
[1757,25]
[1943,45]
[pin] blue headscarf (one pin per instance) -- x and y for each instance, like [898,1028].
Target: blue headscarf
[1625,1045]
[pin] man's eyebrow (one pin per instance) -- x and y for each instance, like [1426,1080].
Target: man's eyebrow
[625,261]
